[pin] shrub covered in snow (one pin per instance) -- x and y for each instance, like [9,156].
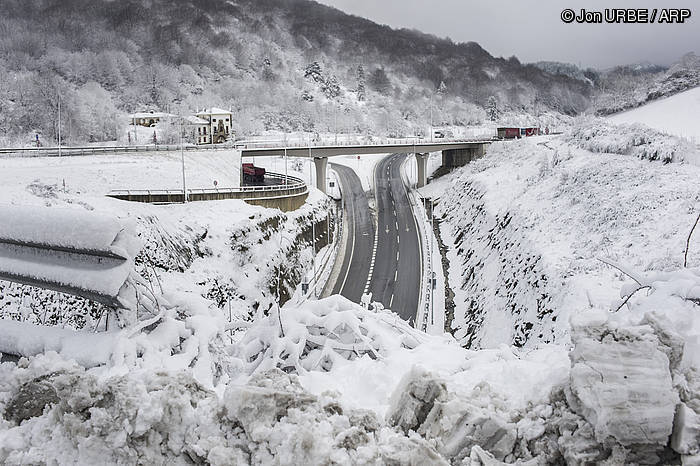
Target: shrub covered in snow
[640,141]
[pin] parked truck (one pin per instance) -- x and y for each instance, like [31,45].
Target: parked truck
[253,174]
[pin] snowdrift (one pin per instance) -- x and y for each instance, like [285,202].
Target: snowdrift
[176,390]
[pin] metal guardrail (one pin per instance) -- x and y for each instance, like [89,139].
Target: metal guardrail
[242,145]
[293,186]
[94,150]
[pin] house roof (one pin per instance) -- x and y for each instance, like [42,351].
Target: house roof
[214,111]
[151,115]
[196,120]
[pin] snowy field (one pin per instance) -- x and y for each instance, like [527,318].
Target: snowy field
[678,115]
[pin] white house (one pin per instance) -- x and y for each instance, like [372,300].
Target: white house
[197,129]
[217,128]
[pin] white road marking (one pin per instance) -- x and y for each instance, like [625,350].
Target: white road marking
[352,250]
[396,274]
[391,301]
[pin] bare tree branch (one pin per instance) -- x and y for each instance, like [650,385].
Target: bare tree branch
[629,296]
[687,242]
[622,269]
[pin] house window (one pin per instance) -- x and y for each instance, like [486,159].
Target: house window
[214,120]
[205,130]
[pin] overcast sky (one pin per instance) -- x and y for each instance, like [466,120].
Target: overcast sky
[533,30]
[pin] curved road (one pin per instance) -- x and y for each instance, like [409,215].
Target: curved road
[359,229]
[396,270]
[396,278]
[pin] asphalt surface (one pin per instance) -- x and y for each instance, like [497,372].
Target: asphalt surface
[396,276]
[359,228]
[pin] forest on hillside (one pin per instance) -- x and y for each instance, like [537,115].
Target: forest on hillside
[277,64]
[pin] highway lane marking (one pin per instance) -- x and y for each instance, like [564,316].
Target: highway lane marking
[376,231]
[396,274]
[397,257]
[391,301]
[352,249]
[418,236]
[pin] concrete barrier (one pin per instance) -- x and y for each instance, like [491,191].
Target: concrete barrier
[286,197]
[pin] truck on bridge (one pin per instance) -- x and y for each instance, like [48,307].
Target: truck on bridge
[253,174]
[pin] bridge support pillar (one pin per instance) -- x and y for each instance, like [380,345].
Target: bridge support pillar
[321,166]
[422,162]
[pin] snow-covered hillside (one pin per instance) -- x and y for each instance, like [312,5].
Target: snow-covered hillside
[529,223]
[678,115]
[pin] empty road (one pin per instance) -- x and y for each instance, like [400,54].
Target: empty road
[396,276]
[359,229]
[393,275]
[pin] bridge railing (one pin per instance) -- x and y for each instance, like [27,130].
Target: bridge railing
[351,143]
[288,186]
[327,142]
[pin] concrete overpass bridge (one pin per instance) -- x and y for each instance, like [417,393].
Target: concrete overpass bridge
[454,154]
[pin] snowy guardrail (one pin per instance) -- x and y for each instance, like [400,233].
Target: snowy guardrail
[357,142]
[240,145]
[66,250]
[94,150]
[288,186]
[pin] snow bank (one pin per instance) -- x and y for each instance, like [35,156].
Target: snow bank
[176,390]
[630,139]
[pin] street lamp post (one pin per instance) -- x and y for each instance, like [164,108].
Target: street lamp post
[182,158]
[59,125]
[431,118]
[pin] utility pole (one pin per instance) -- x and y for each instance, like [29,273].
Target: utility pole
[59,124]
[182,156]
[431,118]
[286,177]
[432,275]
[335,122]
[313,246]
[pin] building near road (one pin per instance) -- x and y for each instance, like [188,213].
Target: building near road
[148,119]
[197,129]
[218,128]
[209,126]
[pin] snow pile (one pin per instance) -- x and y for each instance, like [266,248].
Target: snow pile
[635,139]
[322,335]
[176,390]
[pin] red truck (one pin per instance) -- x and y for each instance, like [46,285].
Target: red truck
[253,174]
[508,133]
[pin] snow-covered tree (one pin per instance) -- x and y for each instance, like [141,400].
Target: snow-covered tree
[379,81]
[361,92]
[492,109]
